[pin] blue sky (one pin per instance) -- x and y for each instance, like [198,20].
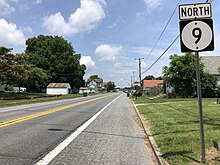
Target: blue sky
[109,34]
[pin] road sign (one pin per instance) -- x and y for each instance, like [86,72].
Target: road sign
[197,35]
[195,11]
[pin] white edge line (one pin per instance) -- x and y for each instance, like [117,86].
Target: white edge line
[52,154]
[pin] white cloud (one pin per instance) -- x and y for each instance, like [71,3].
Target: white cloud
[5,8]
[112,26]
[145,51]
[88,62]
[152,4]
[118,65]
[9,34]
[27,29]
[140,50]
[37,1]
[107,52]
[84,19]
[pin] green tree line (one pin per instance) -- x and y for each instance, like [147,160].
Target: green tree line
[46,59]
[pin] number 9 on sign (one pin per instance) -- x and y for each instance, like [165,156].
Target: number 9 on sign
[196,35]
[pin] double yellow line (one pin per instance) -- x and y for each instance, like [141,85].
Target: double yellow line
[18,120]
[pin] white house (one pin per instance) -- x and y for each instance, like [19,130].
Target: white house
[58,89]
[95,85]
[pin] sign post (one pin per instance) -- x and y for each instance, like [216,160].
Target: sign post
[199,93]
[196,34]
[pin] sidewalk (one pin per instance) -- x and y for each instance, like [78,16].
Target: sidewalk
[113,138]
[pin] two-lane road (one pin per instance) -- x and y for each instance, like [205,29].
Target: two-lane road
[28,132]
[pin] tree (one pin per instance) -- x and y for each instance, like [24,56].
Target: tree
[96,78]
[149,77]
[57,57]
[4,50]
[182,74]
[110,86]
[5,62]
[160,78]
[14,70]
[209,85]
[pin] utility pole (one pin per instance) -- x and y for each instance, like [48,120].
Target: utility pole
[139,59]
[133,76]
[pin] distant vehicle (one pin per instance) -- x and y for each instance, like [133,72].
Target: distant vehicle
[16,89]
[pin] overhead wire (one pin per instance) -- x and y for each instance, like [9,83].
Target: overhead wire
[161,55]
[163,30]
[166,49]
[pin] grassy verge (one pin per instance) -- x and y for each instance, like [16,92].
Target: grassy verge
[11,99]
[175,127]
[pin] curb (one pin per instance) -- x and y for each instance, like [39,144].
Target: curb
[154,147]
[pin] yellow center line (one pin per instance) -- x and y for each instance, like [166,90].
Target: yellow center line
[14,121]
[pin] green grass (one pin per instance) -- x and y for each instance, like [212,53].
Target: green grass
[145,99]
[175,127]
[11,99]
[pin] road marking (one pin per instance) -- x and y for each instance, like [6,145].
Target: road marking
[18,120]
[52,154]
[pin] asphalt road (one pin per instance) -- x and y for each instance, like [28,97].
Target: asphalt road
[28,132]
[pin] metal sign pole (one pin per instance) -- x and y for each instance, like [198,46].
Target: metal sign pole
[199,93]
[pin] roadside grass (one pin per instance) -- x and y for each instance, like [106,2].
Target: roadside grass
[174,124]
[12,99]
[145,99]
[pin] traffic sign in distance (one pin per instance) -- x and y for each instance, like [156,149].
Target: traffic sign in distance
[197,35]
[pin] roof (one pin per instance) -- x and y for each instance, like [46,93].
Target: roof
[212,63]
[97,80]
[104,84]
[152,83]
[58,85]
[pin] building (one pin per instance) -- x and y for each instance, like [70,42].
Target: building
[152,87]
[58,89]
[212,63]
[95,85]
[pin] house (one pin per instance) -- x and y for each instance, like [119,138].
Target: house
[211,65]
[152,87]
[58,89]
[95,85]
[147,84]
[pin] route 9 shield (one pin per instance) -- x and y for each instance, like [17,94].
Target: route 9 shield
[196,35]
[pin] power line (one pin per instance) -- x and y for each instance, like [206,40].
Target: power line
[161,54]
[167,47]
[163,29]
